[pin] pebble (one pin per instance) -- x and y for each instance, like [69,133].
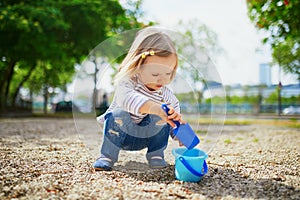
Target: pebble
[49,162]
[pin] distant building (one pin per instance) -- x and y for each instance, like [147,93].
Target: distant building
[265,74]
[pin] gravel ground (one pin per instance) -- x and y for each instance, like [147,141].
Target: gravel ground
[52,159]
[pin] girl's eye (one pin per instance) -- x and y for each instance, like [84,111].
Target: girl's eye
[168,74]
[154,74]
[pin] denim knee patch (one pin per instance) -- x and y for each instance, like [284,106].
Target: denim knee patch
[113,131]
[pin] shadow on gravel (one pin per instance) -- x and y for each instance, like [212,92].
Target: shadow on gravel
[142,172]
[222,182]
[219,182]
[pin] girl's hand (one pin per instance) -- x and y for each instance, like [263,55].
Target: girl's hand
[151,107]
[173,116]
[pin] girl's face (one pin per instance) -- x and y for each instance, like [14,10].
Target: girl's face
[157,71]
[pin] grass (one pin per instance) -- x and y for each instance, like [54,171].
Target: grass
[237,122]
[278,122]
[64,115]
[227,141]
[291,123]
[200,131]
[203,120]
[255,140]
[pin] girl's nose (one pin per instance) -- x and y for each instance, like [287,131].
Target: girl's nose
[160,79]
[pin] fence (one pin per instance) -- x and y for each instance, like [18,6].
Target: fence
[240,108]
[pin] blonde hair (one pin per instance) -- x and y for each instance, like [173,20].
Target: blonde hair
[146,40]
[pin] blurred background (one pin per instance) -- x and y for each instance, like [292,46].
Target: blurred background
[48,64]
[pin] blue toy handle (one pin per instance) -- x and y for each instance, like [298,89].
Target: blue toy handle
[186,164]
[166,109]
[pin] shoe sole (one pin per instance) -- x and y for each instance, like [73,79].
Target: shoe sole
[158,167]
[102,169]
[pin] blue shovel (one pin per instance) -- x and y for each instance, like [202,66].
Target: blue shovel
[183,132]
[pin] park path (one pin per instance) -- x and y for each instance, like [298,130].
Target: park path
[49,158]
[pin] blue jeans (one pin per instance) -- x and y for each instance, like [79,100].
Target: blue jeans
[120,132]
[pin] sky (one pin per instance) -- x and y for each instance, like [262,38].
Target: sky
[237,35]
[241,41]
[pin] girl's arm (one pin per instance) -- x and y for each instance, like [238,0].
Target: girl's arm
[150,107]
[136,103]
[129,99]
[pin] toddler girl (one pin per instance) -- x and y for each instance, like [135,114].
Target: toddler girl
[135,119]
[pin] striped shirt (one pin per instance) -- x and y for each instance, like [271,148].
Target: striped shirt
[130,95]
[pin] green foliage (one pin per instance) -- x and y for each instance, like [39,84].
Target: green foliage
[215,100]
[281,18]
[42,40]
[273,99]
[190,97]
[244,99]
[253,100]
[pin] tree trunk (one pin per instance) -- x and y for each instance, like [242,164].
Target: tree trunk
[31,100]
[14,99]
[200,95]
[9,78]
[5,83]
[45,99]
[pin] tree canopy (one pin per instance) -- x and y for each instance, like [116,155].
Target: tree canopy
[42,40]
[281,18]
